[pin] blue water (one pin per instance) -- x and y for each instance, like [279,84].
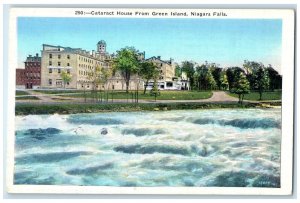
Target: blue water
[226,148]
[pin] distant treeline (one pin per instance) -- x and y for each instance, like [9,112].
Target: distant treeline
[253,76]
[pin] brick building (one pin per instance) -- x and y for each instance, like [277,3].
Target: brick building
[30,77]
[20,78]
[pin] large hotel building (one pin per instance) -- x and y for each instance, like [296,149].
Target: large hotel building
[80,64]
[77,62]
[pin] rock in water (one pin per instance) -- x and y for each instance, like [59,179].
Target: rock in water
[104,131]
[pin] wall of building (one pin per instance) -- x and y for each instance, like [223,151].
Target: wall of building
[53,63]
[33,72]
[20,77]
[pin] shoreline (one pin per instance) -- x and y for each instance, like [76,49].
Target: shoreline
[75,108]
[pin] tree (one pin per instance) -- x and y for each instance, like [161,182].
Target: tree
[216,72]
[275,78]
[204,77]
[99,77]
[210,80]
[127,63]
[250,68]
[241,87]
[224,81]
[66,77]
[178,71]
[148,71]
[262,80]
[155,90]
[188,68]
[233,73]
[200,77]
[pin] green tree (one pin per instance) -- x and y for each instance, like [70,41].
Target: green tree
[275,78]
[66,77]
[250,68]
[233,73]
[99,78]
[155,91]
[241,87]
[224,81]
[216,72]
[178,71]
[200,77]
[127,63]
[188,68]
[204,77]
[262,80]
[148,71]
[210,80]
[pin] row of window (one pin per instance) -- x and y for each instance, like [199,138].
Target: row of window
[32,64]
[33,74]
[32,71]
[81,72]
[88,86]
[58,63]
[84,59]
[81,58]
[85,66]
[58,56]
[58,70]
[58,83]
[34,78]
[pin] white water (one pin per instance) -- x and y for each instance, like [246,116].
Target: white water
[172,148]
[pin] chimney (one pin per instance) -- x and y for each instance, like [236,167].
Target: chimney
[37,55]
[30,55]
[158,57]
[93,53]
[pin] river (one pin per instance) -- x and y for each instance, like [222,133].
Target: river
[203,148]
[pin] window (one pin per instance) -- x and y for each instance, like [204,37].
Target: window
[68,64]
[50,56]
[58,63]
[68,83]
[50,70]
[68,56]
[169,84]
[68,71]
[58,70]
[50,63]
[58,56]
[50,81]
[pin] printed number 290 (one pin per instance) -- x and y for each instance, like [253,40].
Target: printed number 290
[78,12]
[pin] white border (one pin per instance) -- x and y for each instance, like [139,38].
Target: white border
[287,17]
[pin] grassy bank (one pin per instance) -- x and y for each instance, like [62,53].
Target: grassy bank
[254,96]
[27,98]
[26,109]
[58,91]
[164,95]
[21,93]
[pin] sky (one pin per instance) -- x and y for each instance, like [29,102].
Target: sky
[227,42]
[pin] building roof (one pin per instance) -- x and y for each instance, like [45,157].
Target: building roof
[159,59]
[35,58]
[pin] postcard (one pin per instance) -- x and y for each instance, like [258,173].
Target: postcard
[150,101]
